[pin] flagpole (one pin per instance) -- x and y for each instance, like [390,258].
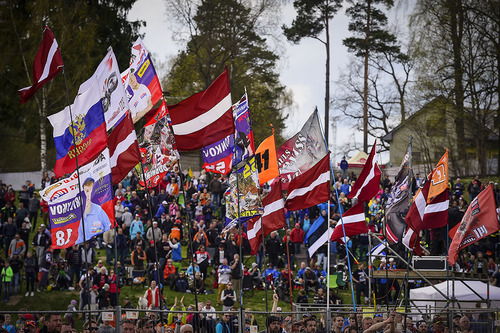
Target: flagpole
[240,227]
[79,188]
[150,205]
[347,250]
[190,222]
[290,292]
[328,321]
[332,181]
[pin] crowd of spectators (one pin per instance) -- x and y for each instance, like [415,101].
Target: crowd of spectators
[165,241]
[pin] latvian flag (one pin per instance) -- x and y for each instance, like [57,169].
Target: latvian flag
[354,223]
[48,62]
[310,188]
[368,182]
[272,219]
[123,149]
[204,118]
[423,215]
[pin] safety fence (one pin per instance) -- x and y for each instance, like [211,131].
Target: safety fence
[119,319]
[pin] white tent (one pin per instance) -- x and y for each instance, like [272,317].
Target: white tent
[464,294]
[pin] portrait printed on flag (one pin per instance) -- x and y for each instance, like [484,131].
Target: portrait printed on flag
[66,202]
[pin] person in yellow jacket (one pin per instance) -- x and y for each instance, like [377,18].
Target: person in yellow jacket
[6,277]
[177,318]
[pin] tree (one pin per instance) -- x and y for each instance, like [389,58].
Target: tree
[313,17]
[368,24]
[222,33]
[458,57]
[84,30]
[387,100]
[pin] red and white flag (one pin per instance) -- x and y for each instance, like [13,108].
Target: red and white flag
[123,149]
[272,219]
[480,220]
[368,182]
[204,118]
[354,223]
[310,188]
[423,215]
[48,62]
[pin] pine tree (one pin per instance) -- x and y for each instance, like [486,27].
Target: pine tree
[313,17]
[370,38]
[224,35]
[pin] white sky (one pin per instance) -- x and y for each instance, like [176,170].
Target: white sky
[301,67]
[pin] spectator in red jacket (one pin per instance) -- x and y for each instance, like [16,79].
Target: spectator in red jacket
[297,237]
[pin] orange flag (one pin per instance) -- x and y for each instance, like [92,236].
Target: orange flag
[267,162]
[439,178]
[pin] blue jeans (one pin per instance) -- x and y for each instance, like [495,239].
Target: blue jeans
[16,283]
[6,291]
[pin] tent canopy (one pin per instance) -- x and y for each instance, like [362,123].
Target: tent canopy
[358,160]
[428,296]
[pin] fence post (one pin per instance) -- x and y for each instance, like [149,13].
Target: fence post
[118,320]
[328,319]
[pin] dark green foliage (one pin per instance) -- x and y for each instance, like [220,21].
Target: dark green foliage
[84,31]
[226,37]
[368,24]
[312,17]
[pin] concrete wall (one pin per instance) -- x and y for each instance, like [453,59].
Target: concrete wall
[18,179]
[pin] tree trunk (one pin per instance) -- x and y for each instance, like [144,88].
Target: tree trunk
[42,111]
[327,82]
[456,31]
[365,80]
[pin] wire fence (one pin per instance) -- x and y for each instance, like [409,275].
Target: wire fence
[240,320]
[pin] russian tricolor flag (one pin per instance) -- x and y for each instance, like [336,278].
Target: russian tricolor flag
[88,131]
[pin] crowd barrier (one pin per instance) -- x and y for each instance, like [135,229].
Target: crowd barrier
[242,320]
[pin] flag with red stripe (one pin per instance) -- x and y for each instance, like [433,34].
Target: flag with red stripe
[368,182]
[354,223]
[48,62]
[273,217]
[123,148]
[204,118]
[479,221]
[423,215]
[310,188]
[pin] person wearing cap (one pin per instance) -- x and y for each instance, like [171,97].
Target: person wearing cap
[162,209]
[136,226]
[95,218]
[127,218]
[154,233]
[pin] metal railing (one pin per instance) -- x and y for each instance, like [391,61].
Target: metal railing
[240,320]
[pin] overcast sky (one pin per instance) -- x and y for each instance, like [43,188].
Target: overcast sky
[301,67]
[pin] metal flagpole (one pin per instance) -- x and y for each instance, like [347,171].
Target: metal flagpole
[347,250]
[150,205]
[240,227]
[79,190]
[370,264]
[190,222]
[290,292]
[328,317]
